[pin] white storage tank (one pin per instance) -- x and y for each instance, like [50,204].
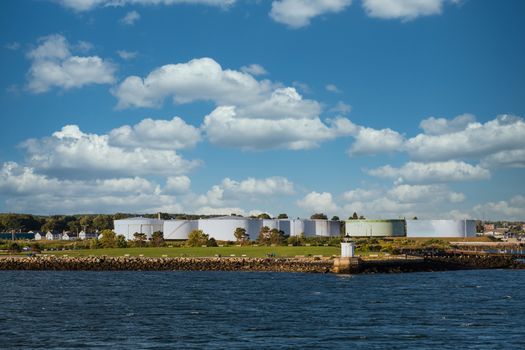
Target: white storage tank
[285,226]
[441,228]
[223,228]
[179,229]
[309,228]
[375,228]
[322,228]
[335,228]
[127,227]
[296,227]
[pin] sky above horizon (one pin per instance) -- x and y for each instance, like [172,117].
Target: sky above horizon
[387,108]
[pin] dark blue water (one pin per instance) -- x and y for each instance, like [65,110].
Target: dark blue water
[161,310]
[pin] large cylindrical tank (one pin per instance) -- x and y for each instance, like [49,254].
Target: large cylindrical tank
[285,226]
[179,229]
[309,228]
[335,228]
[375,228]
[128,227]
[322,228]
[441,228]
[223,228]
[296,227]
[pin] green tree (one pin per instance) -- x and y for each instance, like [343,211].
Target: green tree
[103,222]
[354,216]
[139,239]
[264,235]
[240,235]
[157,239]
[212,242]
[121,242]
[282,216]
[73,226]
[319,216]
[277,237]
[108,239]
[86,222]
[335,218]
[264,216]
[197,238]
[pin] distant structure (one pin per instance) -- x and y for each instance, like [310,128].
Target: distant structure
[128,227]
[375,228]
[441,228]
[223,228]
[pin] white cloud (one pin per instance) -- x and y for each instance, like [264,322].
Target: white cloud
[513,209]
[177,184]
[372,141]
[28,191]
[473,140]
[251,186]
[127,55]
[254,69]
[414,172]
[441,126]
[424,194]
[332,88]
[259,134]
[130,18]
[505,159]
[87,5]
[317,202]
[71,153]
[404,9]
[430,201]
[299,13]
[156,134]
[360,194]
[341,108]
[199,79]
[53,65]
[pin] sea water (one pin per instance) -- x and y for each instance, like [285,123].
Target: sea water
[483,309]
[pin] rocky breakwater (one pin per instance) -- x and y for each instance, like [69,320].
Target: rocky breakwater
[104,263]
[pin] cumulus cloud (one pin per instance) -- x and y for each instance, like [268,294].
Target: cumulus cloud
[130,18]
[404,9]
[254,69]
[404,200]
[73,153]
[370,141]
[465,139]
[87,5]
[251,186]
[341,108]
[441,126]
[177,184]
[415,172]
[259,133]
[201,79]
[156,134]
[28,191]
[299,13]
[53,65]
[317,202]
[512,209]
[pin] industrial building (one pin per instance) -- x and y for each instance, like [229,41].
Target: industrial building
[128,227]
[441,228]
[375,228]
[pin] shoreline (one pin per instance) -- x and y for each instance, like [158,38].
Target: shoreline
[444,262]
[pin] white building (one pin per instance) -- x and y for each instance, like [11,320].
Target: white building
[441,228]
[179,229]
[130,226]
[69,236]
[89,235]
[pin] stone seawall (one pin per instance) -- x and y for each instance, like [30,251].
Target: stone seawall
[164,264]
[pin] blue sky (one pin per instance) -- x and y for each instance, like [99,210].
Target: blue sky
[385,107]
